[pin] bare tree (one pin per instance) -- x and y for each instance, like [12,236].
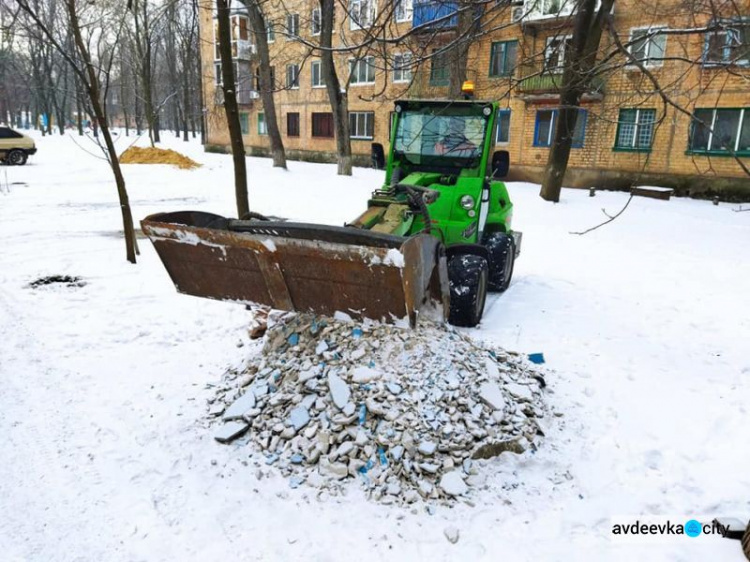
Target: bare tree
[229,87]
[93,76]
[577,73]
[265,81]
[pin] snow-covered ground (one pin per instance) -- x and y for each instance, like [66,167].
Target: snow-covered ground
[106,453]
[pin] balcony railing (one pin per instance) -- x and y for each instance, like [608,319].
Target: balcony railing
[435,15]
[551,83]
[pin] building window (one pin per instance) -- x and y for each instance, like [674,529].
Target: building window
[502,135]
[270,33]
[362,71]
[720,131]
[292,124]
[244,123]
[362,13]
[730,45]
[322,125]
[440,73]
[546,123]
[402,71]
[292,76]
[240,30]
[316,70]
[361,125]
[262,127]
[647,46]
[219,76]
[315,21]
[635,129]
[292,26]
[503,58]
[554,53]
[404,10]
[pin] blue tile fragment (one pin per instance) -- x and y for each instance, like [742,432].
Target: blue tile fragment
[537,358]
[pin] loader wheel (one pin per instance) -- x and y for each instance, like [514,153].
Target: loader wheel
[502,251]
[17,158]
[468,275]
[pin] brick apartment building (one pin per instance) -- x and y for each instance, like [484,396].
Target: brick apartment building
[626,131]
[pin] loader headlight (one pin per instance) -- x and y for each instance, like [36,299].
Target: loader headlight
[467,202]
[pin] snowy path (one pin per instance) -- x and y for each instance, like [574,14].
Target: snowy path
[106,454]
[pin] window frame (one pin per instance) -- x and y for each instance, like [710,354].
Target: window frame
[312,128]
[564,41]
[356,24]
[504,111]
[244,123]
[353,134]
[709,150]
[313,21]
[288,123]
[262,125]
[648,61]
[440,81]
[404,68]
[582,121]
[294,83]
[354,71]
[726,49]
[637,124]
[270,33]
[409,11]
[507,72]
[235,29]
[292,32]
[319,65]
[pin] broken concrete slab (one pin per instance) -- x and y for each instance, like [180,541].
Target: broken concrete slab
[229,431]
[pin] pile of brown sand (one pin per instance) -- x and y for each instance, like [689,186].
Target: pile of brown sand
[137,155]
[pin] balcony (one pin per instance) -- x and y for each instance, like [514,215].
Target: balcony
[540,13]
[547,86]
[431,16]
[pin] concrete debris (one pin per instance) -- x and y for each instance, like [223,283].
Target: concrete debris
[240,406]
[452,483]
[402,412]
[229,431]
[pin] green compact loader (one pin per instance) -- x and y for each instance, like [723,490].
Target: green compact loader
[434,238]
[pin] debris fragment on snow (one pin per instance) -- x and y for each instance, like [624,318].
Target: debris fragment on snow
[401,411]
[240,406]
[229,431]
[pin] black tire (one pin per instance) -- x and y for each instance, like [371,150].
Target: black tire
[468,275]
[502,251]
[17,157]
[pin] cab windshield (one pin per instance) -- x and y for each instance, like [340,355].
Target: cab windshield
[450,136]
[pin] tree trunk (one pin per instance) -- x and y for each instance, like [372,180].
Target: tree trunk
[230,108]
[337,98]
[257,21]
[101,118]
[458,54]
[587,35]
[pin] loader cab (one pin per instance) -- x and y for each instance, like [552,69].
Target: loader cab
[453,138]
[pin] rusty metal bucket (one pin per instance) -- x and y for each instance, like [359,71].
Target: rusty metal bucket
[302,267]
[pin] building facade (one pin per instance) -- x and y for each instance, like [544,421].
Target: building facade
[692,132]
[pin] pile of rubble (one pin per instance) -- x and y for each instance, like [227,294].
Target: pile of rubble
[406,412]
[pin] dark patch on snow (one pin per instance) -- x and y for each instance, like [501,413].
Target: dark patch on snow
[67,280]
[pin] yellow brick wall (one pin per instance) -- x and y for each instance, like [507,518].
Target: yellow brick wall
[688,85]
